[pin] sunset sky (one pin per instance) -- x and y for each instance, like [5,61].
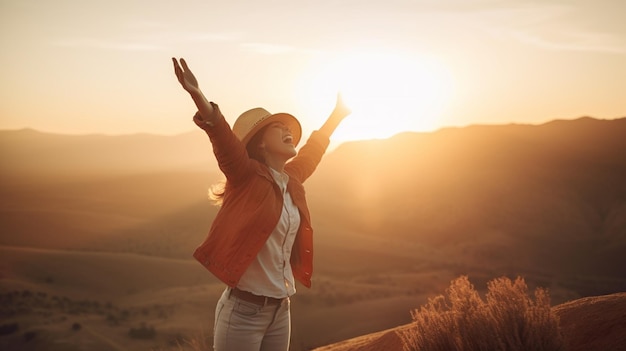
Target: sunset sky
[75,66]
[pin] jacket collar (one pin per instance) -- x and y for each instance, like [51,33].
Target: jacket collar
[264,171]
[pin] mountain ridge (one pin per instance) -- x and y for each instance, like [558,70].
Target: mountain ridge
[394,219]
[494,183]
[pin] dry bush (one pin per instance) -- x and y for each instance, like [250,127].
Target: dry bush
[10,328]
[143,332]
[199,342]
[507,319]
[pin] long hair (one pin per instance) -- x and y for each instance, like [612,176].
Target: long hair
[216,191]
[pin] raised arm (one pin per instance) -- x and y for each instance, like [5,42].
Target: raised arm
[310,155]
[340,112]
[189,82]
[230,153]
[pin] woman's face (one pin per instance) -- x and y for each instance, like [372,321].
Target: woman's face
[278,140]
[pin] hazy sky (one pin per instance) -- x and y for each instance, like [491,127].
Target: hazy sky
[75,66]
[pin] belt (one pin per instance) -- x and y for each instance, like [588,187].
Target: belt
[256,299]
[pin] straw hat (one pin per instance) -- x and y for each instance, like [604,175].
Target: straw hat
[253,120]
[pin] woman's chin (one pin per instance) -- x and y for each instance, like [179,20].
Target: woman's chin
[290,150]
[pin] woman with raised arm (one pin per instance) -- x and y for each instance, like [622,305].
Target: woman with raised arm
[261,240]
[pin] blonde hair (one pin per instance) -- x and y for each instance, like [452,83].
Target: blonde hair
[216,192]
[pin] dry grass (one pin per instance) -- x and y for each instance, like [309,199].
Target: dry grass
[507,319]
[198,342]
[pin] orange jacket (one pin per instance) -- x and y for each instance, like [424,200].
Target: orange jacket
[252,205]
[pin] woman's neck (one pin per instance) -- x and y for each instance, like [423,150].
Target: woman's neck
[276,162]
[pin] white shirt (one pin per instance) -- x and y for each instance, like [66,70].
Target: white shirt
[270,273]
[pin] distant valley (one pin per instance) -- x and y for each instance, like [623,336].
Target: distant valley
[395,220]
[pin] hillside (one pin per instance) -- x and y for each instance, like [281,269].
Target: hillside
[46,291]
[29,153]
[395,220]
[513,196]
[589,324]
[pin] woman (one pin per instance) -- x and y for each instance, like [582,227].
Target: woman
[261,240]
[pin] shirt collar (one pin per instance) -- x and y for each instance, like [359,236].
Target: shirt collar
[280,178]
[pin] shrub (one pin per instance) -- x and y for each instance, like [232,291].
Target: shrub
[198,342]
[10,328]
[30,335]
[112,319]
[143,332]
[508,319]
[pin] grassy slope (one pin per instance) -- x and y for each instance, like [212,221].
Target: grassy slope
[183,288]
[185,292]
[588,324]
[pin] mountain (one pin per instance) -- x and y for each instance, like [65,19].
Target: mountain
[30,153]
[67,191]
[395,220]
[513,196]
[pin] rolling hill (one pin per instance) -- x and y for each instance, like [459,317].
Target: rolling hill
[395,220]
[515,197]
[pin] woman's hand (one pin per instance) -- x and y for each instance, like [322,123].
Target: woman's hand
[185,76]
[341,109]
[190,84]
[340,112]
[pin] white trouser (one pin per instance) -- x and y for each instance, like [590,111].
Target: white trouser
[244,326]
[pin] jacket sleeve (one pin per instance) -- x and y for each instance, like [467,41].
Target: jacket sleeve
[309,156]
[230,153]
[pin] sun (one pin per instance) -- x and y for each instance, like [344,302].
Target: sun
[388,92]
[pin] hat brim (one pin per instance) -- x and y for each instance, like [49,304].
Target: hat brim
[289,120]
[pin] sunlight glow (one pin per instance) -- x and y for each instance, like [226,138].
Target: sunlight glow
[388,93]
